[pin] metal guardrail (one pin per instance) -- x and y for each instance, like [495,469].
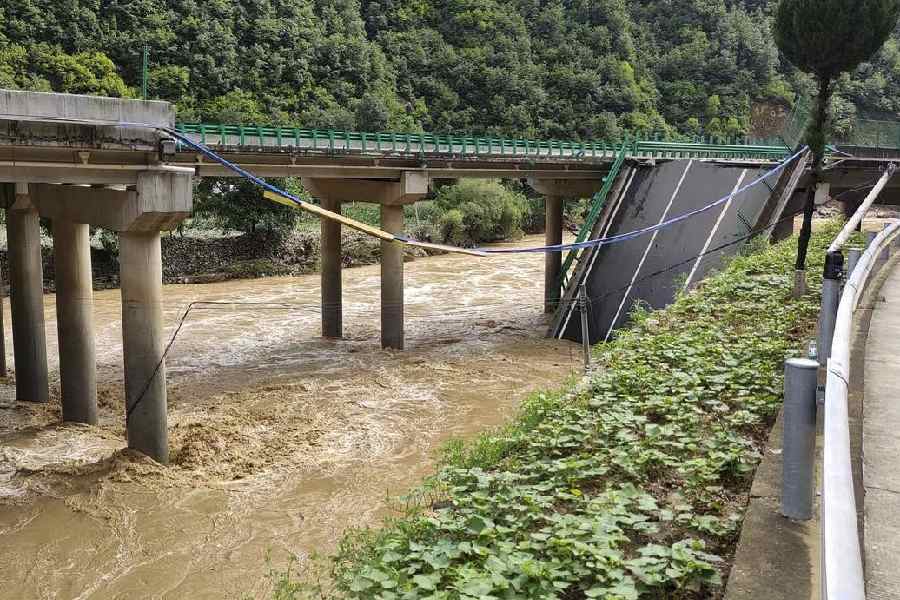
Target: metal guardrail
[841,555]
[597,204]
[294,138]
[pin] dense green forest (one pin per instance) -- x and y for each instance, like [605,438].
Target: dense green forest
[564,68]
[536,68]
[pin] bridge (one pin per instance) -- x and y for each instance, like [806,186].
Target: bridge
[118,164]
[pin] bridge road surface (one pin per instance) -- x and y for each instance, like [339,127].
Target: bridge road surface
[623,273]
[881,444]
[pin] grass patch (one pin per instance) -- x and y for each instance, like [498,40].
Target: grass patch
[633,486]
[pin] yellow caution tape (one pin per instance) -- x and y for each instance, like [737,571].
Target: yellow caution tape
[363,227]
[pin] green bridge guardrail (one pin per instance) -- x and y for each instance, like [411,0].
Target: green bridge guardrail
[287,138]
[597,204]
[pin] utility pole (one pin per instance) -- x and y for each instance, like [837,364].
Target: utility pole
[145,60]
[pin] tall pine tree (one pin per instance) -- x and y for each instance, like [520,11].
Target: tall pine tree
[827,38]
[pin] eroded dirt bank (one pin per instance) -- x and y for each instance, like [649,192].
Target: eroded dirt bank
[280,440]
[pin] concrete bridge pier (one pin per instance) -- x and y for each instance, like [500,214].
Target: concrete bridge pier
[555,191]
[392,280]
[391,196]
[553,230]
[159,200]
[26,283]
[140,262]
[75,321]
[332,308]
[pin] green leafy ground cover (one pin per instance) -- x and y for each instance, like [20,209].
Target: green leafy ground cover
[632,486]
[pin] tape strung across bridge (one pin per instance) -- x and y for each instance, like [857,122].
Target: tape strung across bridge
[276,194]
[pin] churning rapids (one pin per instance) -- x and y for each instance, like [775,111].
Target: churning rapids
[279,439]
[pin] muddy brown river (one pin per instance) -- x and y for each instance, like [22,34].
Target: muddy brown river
[280,440]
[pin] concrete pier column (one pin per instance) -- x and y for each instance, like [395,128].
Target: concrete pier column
[140,263]
[75,321]
[553,209]
[392,280]
[26,281]
[332,309]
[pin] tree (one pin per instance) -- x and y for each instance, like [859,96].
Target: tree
[826,38]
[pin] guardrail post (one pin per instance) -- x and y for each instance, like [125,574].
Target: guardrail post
[870,237]
[853,255]
[831,297]
[798,478]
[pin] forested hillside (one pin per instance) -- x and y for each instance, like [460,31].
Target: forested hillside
[565,68]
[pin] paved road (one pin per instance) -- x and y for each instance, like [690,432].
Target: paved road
[881,444]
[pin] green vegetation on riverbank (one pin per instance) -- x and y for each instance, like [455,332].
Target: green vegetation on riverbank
[632,485]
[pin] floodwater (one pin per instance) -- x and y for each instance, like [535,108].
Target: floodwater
[280,440]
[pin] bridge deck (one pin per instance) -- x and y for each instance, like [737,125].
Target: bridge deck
[881,444]
[279,151]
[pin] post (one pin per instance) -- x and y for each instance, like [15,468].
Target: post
[853,256]
[884,255]
[392,280]
[332,310]
[75,321]
[145,64]
[140,263]
[798,479]
[870,237]
[3,372]
[831,297]
[553,221]
[26,282]
[585,332]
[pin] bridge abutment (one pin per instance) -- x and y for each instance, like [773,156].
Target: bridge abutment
[75,321]
[27,298]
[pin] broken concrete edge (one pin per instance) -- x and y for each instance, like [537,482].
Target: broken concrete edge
[44,107]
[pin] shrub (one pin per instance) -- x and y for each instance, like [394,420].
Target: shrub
[477,211]
[452,228]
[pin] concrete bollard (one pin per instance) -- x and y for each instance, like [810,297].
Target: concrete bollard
[798,477]
[853,255]
[889,249]
[831,297]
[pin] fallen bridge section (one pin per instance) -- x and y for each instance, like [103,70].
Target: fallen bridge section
[654,267]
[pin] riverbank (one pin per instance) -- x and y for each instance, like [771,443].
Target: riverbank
[635,485]
[208,256]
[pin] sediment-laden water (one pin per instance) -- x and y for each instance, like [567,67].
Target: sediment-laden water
[280,440]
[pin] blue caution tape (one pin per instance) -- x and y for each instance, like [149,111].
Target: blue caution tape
[623,237]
